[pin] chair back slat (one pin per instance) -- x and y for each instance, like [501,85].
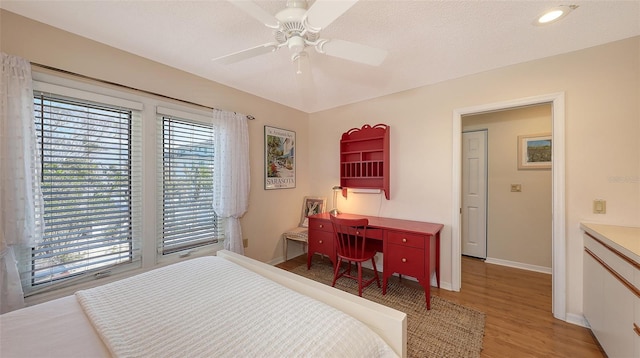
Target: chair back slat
[350,236]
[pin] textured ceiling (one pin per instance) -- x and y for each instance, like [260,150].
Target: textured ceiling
[428,41]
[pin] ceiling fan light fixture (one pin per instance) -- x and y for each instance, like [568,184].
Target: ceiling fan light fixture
[554,14]
[296,44]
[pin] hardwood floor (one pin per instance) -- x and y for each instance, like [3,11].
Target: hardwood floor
[517,304]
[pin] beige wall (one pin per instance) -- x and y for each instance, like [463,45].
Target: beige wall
[518,223]
[602,124]
[270,212]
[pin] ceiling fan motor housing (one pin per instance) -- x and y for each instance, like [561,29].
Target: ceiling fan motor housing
[292,30]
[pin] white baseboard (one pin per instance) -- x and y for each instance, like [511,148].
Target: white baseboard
[577,319]
[446,286]
[518,265]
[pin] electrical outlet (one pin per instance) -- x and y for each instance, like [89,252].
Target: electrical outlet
[516,188]
[245,243]
[599,206]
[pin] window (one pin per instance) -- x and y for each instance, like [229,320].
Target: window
[92,140]
[91,188]
[188,219]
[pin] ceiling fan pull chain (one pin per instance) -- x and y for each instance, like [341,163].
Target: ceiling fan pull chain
[298,58]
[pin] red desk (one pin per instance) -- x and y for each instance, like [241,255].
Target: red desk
[410,248]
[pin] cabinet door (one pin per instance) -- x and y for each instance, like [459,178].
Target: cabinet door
[593,294]
[619,304]
[636,321]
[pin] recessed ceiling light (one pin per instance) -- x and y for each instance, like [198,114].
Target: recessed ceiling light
[554,14]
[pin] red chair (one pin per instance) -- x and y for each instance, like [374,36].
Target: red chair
[351,243]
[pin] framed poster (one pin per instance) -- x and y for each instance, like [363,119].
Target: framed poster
[279,158]
[534,151]
[310,206]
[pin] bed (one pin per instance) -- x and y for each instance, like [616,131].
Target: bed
[224,306]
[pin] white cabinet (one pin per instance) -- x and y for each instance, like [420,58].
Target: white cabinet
[612,294]
[618,334]
[593,287]
[637,316]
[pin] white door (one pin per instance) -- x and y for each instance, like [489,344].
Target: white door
[474,193]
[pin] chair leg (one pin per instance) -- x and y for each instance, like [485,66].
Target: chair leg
[375,270]
[360,279]
[336,271]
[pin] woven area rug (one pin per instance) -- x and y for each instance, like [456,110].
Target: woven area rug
[447,330]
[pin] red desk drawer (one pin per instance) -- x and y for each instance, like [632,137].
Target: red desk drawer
[404,260]
[321,242]
[406,239]
[320,224]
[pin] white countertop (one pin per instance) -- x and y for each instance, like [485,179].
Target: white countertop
[624,238]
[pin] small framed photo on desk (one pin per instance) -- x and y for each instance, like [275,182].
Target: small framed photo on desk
[312,205]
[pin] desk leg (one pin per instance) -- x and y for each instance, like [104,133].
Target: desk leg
[385,277]
[432,265]
[438,258]
[427,292]
[426,280]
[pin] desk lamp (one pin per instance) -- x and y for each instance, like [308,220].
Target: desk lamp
[335,210]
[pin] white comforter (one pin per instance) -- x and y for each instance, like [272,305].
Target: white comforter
[210,307]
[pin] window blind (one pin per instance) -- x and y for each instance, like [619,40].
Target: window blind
[91,184]
[188,219]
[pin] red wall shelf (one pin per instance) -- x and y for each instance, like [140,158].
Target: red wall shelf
[364,158]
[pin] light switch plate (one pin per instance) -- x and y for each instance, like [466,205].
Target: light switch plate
[599,206]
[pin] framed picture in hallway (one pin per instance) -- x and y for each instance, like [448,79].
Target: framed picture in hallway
[534,151]
[279,158]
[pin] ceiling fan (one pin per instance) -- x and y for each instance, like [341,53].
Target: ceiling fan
[298,28]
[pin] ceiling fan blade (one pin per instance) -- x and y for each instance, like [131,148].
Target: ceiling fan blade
[257,12]
[352,51]
[246,54]
[324,12]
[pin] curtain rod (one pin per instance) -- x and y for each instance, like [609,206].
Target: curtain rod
[250,117]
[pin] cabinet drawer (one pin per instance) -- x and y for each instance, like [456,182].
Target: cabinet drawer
[321,242]
[406,239]
[404,260]
[320,224]
[616,263]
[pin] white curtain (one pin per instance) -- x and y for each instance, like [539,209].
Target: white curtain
[231,174]
[21,206]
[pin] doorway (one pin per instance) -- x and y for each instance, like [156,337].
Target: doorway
[558,192]
[518,198]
